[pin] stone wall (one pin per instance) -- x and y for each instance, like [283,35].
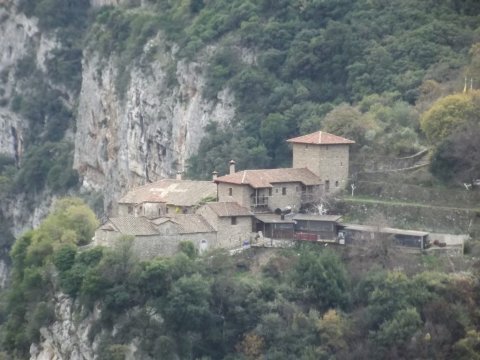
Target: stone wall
[240,194]
[173,209]
[150,210]
[292,196]
[438,219]
[148,247]
[232,236]
[228,235]
[329,162]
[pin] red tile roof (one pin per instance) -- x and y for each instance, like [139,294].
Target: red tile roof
[320,138]
[264,178]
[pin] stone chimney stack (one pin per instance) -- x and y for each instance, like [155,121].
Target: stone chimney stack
[179,175]
[232,166]
[214,175]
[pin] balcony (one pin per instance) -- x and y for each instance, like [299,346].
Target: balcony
[259,203]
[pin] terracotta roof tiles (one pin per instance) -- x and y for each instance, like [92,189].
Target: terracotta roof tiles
[266,177]
[320,138]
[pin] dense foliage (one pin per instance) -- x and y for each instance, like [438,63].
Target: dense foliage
[362,69]
[46,99]
[28,304]
[289,63]
[452,125]
[302,303]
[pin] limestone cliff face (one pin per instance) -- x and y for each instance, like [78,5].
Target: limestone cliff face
[66,337]
[121,141]
[21,39]
[151,131]
[71,336]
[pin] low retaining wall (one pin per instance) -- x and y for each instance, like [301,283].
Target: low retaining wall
[457,221]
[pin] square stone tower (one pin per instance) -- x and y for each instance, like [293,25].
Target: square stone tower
[326,155]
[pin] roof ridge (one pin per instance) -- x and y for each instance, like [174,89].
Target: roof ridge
[205,222]
[244,175]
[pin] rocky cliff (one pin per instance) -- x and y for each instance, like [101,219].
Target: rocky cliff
[122,139]
[20,36]
[150,132]
[76,335]
[67,337]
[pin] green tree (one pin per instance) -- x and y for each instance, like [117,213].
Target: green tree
[322,278]
[468,347]
[346,120]
[449,114]
[456,158]
[399,329]
[187,306]
[332,328]
[64,260]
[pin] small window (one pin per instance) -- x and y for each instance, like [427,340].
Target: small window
[130,209]
[327,185]
[306,146]
[166,210]
[160,211]
[270,192]
[341,163]
[276,191]
[336,183]
[284,191]
[230,191]
[233,220]
[296,188]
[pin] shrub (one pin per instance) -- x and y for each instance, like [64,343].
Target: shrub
[188,248]
[64,257]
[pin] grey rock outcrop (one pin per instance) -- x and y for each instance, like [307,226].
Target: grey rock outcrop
[21,39]
[151,131]
[66,337]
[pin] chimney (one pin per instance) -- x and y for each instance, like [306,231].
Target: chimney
[214,175]
[232,166]
[179,175]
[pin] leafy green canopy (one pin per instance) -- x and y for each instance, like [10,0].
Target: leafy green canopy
[28,303]
[452,125]
[289,63]
[449,114]
[301,303]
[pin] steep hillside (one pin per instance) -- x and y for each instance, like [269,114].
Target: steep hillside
[136,90]
[67,301]
[98,96]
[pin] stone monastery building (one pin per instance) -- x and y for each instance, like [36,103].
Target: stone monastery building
[236,208]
